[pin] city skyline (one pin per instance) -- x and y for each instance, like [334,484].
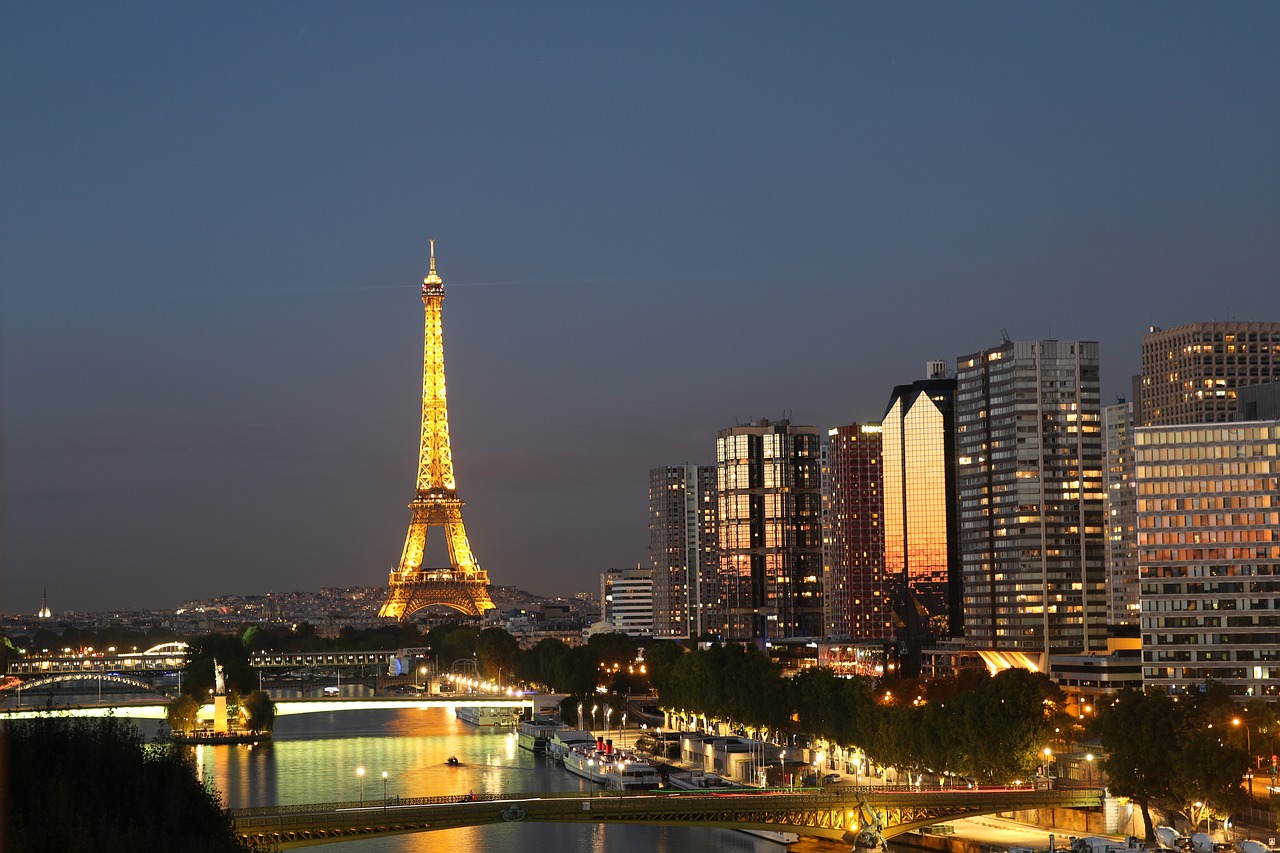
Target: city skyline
[216,227]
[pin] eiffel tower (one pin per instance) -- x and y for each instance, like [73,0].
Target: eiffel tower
[464,586]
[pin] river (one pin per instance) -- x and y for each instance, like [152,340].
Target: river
[314,758]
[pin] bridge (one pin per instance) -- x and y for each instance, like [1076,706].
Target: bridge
[171,657]
[837,815]
[539,702]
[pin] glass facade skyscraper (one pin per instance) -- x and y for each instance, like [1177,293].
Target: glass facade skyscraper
[682,522]
[921,536]
[1122,554]
[855,602]
[769,531]
[1029,473]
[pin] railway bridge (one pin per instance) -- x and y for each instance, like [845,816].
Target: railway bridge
[835,814]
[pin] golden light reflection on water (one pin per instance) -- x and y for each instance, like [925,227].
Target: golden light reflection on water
[314,759]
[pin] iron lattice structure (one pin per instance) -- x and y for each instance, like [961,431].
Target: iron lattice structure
[463,586]
[842,815]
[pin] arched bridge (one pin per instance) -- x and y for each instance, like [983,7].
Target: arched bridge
[88,676]
[836,815]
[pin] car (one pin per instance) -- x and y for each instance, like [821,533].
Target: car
[831,777]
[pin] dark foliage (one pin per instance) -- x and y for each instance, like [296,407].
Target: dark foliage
[95,786]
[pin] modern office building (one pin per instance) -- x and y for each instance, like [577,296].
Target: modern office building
[626,600]
[1190,373]
[921,530]
[682,523]
[1122,541]
[1209,555]
[854,599]
[769,531]
[1032,514]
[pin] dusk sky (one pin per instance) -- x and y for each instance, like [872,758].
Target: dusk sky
[653,221]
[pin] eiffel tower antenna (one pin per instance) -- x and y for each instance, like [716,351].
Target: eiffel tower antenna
[463,585]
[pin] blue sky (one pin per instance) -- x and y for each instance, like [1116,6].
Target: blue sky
[653,221]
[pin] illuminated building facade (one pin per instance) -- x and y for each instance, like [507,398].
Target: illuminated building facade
[682,527]
[626,600]
[769,531]
[855,602]
[1031,499]
[1122,537]
[1190,373]
[921,526]
[1209,555]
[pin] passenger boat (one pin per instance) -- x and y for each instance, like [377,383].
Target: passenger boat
[535,735]
[564,740]
[618,771]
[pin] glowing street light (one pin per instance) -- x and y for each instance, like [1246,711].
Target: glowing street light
[360,774]
[384,790]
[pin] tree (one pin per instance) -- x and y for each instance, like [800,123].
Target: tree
[497,652]
[1139,732]
[183,714]
[259,712]
[94,785]
[229,652]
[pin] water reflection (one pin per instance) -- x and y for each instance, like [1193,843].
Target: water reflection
[314,757]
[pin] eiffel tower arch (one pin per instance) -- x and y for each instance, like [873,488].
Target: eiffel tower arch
[462,585]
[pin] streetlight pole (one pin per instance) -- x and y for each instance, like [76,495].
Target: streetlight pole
[360,775]
[384,790]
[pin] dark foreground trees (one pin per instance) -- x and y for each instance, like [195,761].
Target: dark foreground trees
[95,785]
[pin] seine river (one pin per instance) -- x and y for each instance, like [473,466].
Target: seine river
[314,758]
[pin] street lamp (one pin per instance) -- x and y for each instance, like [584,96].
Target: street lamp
[1088,769]
[608,709]
[384,790]
[579,713]
[360,775]
[594,708]
[1044,764]
[1248,740]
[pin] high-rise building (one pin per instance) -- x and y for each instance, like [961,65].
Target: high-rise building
[682,523]
[1029,453]
[1122,553]
[854,600]
[626,600]
[769,531]
[1209,555]
[1190,373]
[921,532]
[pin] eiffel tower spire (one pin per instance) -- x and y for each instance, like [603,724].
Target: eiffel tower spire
[463,585]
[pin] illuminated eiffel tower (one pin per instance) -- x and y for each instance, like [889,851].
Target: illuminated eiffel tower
[464,586]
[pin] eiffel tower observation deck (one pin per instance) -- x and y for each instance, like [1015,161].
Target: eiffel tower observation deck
[462,585]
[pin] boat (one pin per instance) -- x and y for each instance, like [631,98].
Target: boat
[488,716]
[535,735]
[618,771]
[696,780]
[453,761]
[769,835]
[562,741]
[630,772]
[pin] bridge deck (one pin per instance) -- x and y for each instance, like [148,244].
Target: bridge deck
[825,814]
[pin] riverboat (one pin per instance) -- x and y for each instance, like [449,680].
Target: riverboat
[561,742]
[500,717]
[618,771]
[535,735]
